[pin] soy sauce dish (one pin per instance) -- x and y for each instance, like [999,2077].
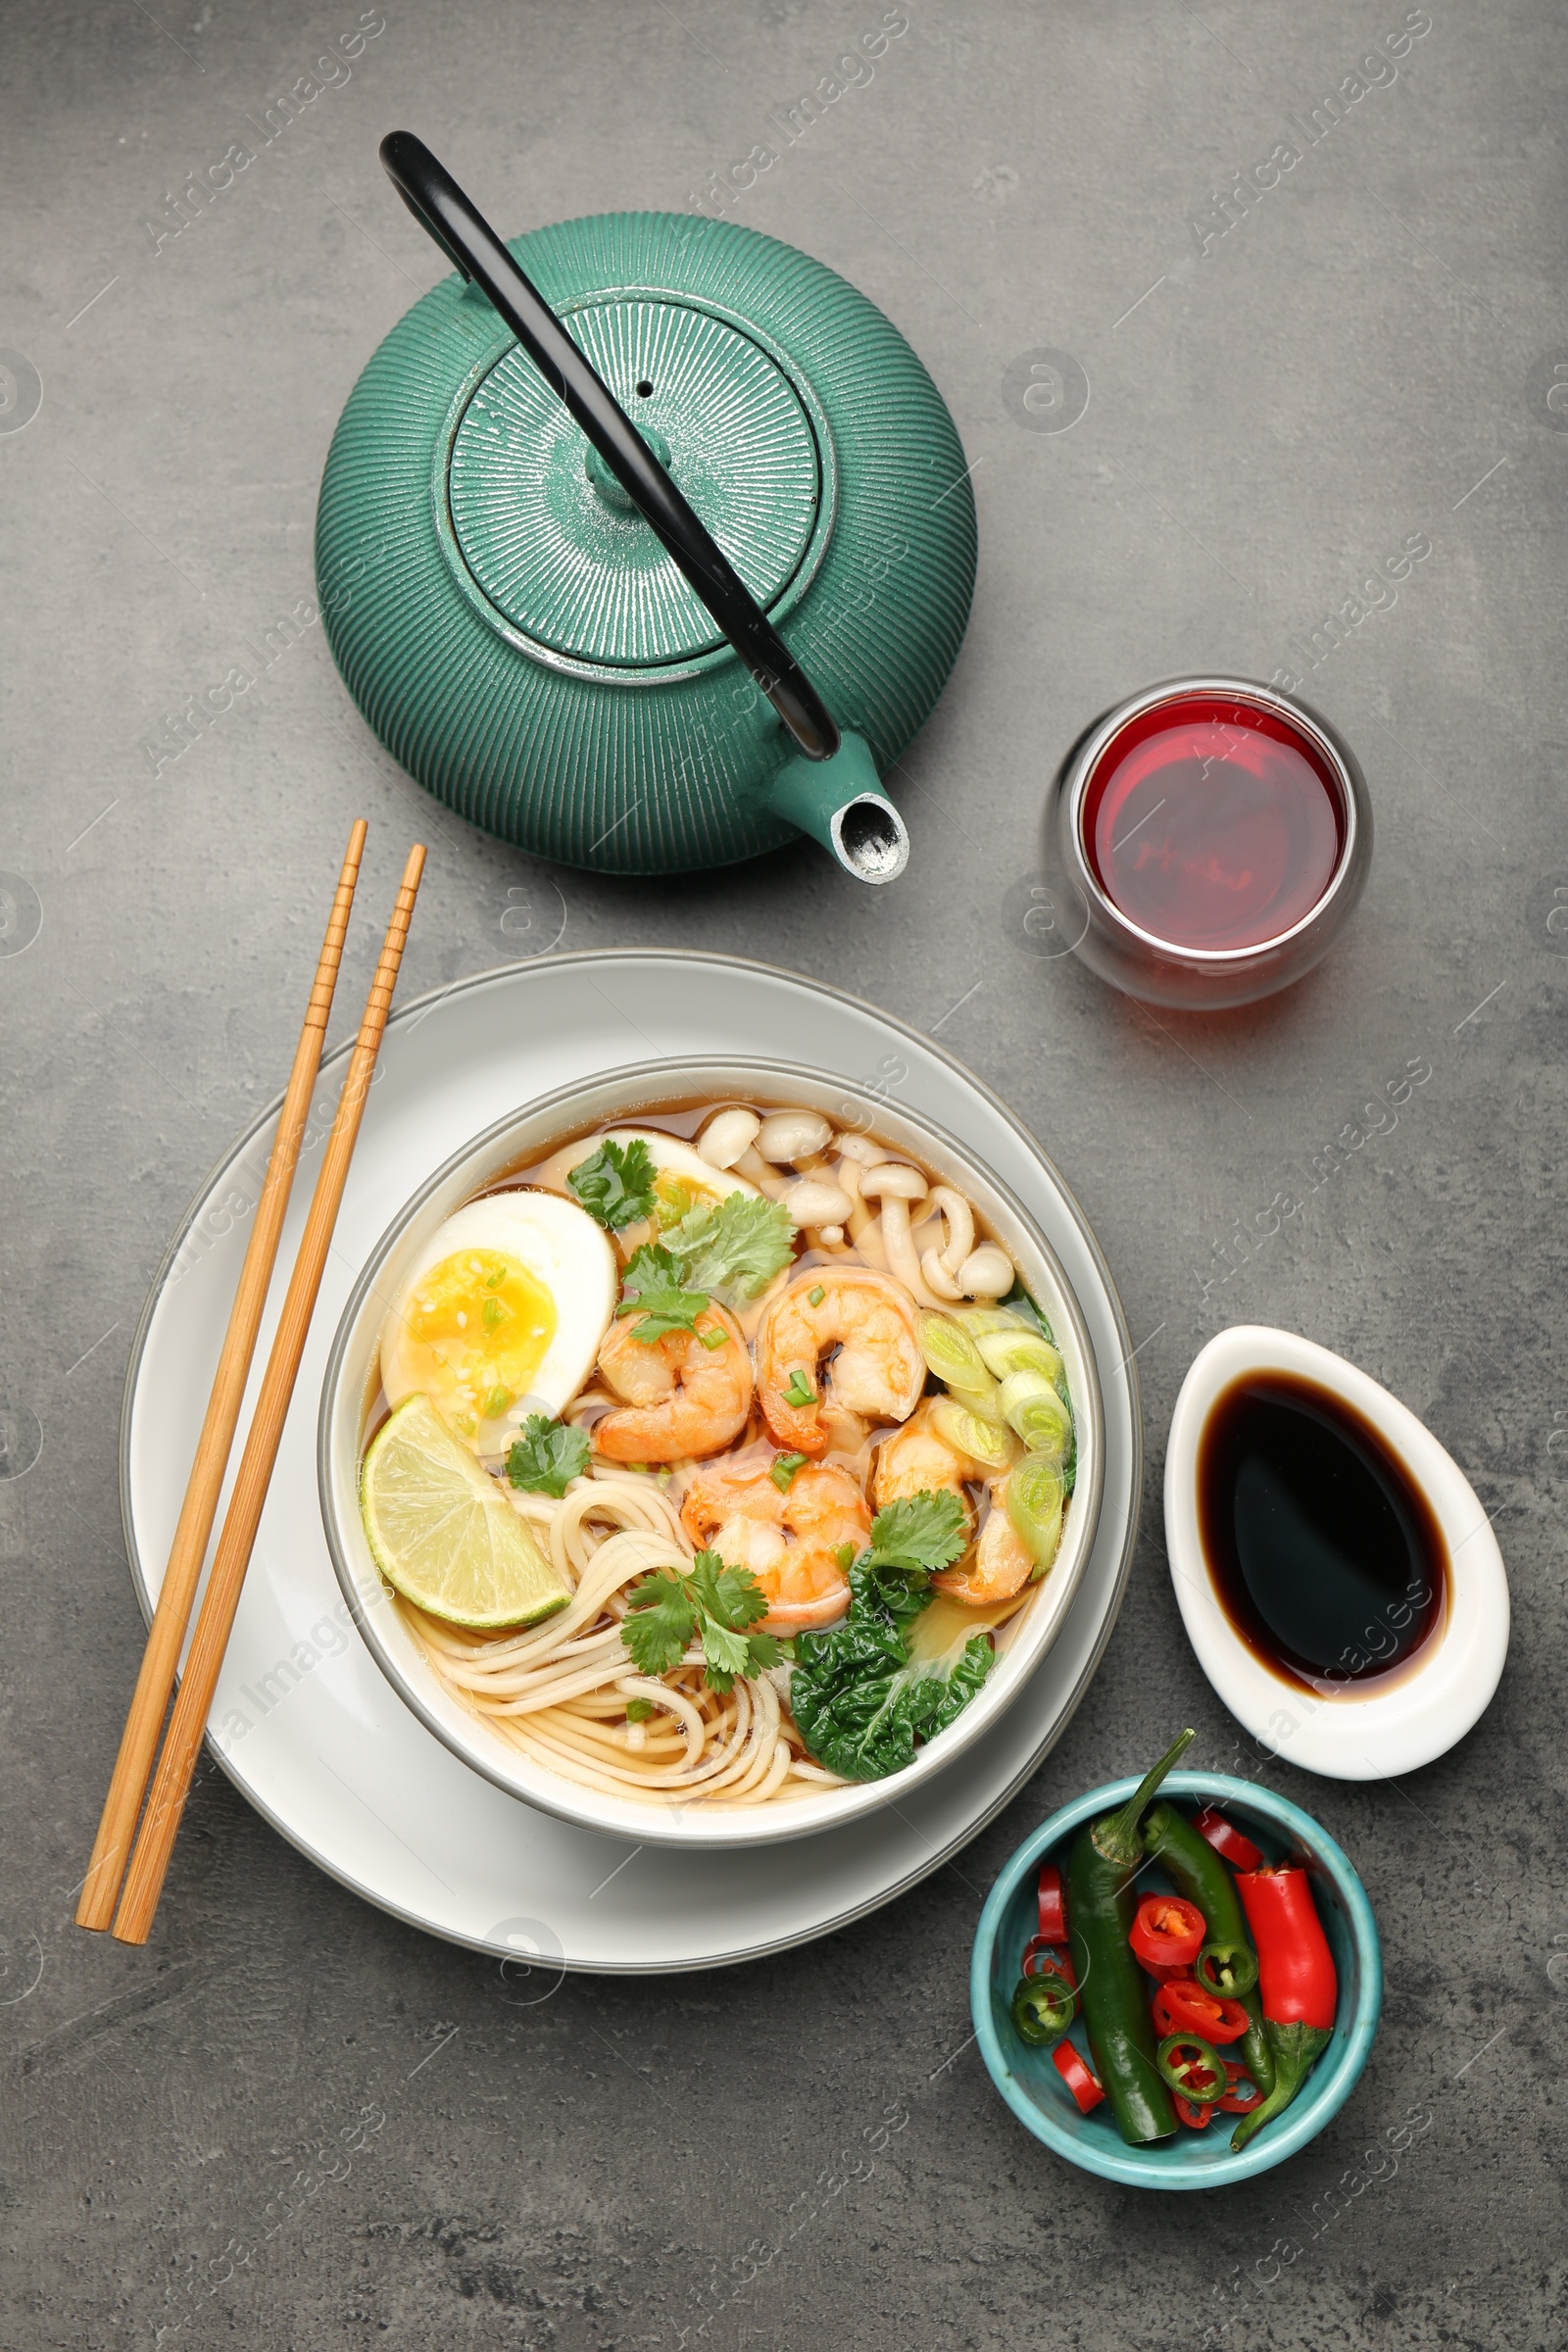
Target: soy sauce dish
[1049,2079]
[1335,1573]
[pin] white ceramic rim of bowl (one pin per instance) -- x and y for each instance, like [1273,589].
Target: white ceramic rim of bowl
[615,1098]
[1424,1713]
[1086,759]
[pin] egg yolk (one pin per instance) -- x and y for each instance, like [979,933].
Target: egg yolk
[475,1330]
[677,1196]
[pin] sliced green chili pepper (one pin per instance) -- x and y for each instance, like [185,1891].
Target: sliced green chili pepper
[1226,1968]
[1043,2007]
[1190,2066]
[1195,1870]
[1105,1858]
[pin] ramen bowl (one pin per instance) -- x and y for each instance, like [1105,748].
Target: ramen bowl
[352,1384]
[1206,843]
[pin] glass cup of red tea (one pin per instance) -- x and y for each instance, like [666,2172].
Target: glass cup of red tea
[1207,841]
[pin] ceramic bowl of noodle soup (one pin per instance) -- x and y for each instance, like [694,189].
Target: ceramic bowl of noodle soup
[796,1414]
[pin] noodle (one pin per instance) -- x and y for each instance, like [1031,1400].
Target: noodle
[530,1688]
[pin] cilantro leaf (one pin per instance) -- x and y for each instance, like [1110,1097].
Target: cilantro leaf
[715,1603]
[861,1703]
[616,1183]
[910,1540]
[659,1621]
[923,1532]
[731,1595]
[735,1248]
[725,1654]
[652,1287]
[547,1455]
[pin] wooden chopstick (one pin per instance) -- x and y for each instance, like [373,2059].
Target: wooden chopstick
[138,1743]
[166,1799]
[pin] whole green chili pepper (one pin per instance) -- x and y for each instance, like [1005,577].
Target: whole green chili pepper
[1105,1858]
[1196,1871]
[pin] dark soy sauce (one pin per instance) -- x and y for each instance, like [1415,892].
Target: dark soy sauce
[1324,1554]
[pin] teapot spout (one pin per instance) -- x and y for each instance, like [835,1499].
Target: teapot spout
[840,802]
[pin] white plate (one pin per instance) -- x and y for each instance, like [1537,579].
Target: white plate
[304,1722]
[1353,1733]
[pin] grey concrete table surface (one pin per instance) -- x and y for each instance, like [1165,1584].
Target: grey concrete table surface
[1293,370]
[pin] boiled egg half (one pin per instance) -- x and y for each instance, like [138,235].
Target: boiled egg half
[501,1316]
[683,1180]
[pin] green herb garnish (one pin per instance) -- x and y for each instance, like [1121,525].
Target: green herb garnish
[784,1469]
[638,1710]
[546,1456]
[910,1542]
[816,1293]
[714,1603]
[798,1389]
[860,1704]
[615,1185]
[736,1248]
[650,1287]
[924,1532]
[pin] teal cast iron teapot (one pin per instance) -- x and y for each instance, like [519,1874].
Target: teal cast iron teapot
[519,593]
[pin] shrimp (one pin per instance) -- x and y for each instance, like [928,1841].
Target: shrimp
[878,1371]
[681,1397]
[914,1460]
[1001,1564]
[794,1541]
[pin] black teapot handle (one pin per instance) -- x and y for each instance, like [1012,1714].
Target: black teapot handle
[471,245]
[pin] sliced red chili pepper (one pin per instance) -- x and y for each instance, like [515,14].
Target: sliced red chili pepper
[1234,2102]
[1053,1910]
[1166,1932]
[1232,1844]
[1190,2066]
[1182,2006]
[1038,1954]
[1196,2118]
[1086,2087]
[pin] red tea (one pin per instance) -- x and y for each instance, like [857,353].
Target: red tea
[1212,823]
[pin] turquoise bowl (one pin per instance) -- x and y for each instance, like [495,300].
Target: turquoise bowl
[1029,2082]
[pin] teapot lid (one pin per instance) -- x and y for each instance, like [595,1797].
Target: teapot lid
[544,541]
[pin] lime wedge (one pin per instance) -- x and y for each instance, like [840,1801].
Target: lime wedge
[444,1534]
